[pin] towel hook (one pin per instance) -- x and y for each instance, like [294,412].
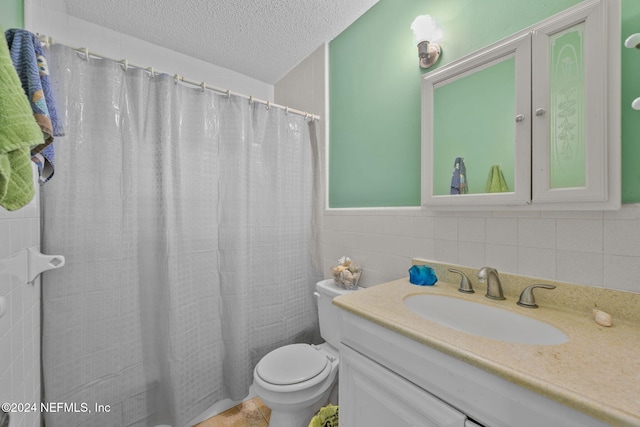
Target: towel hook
[634,41]
[27,264]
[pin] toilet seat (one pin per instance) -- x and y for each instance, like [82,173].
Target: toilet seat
[294,364]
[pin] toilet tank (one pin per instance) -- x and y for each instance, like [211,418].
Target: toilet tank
[329,314]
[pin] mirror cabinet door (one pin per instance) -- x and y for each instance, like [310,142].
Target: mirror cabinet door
[570,142]
[476,128]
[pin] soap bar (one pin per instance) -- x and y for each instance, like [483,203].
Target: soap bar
[422,275]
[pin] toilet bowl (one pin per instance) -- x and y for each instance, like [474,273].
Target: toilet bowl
[296,380]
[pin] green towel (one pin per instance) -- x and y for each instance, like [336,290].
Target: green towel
[18,132]
[495,181]
[327,417]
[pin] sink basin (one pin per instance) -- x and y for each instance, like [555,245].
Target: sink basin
[484,320]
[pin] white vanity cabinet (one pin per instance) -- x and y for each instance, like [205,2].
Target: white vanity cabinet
[542,106]
[372,395]
[387,379]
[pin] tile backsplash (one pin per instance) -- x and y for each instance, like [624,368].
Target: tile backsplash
[20,325]
[599,249]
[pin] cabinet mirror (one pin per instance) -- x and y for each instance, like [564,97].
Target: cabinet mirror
[476,128]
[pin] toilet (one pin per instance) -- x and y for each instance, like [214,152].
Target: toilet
[296,380]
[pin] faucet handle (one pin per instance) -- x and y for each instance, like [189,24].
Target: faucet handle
[465,285]
[526,297]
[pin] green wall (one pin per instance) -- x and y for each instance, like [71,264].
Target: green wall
[11,14]
[630,117]
[493,143]
[374,81]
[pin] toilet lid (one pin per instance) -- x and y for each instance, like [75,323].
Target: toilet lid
[291,364]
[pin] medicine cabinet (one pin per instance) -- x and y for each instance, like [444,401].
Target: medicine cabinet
[530,122]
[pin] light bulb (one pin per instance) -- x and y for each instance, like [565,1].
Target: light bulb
[424,28]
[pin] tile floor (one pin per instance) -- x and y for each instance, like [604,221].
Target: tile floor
[252,413]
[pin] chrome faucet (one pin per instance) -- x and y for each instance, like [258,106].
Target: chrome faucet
[526,297]
[465,284]
[494,288]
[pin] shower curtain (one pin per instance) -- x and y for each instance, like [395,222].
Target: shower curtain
[186,219]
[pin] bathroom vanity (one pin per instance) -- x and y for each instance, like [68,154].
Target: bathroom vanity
[398,368]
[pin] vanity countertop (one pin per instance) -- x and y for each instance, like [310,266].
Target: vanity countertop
[596,372]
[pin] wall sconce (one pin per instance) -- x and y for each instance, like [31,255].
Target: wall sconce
[427,34]
[634,41]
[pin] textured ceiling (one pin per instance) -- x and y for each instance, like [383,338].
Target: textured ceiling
[263,39]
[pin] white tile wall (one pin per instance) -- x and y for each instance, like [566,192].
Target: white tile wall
[591,248]
[20,326]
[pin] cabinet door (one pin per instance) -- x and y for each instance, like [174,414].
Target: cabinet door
[573,82]
[371,395]
[478,110]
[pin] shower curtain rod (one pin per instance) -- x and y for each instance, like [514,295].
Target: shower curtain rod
[47,41]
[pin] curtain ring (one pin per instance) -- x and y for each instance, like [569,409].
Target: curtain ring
[203,86]
[286,110]
[306,115]
[86,53]
[268,105]
[45,40]
[125,64]
[152,71]
[229,93]
[176,78]
[250,100]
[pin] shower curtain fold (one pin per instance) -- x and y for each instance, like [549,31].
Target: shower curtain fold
[186,220]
